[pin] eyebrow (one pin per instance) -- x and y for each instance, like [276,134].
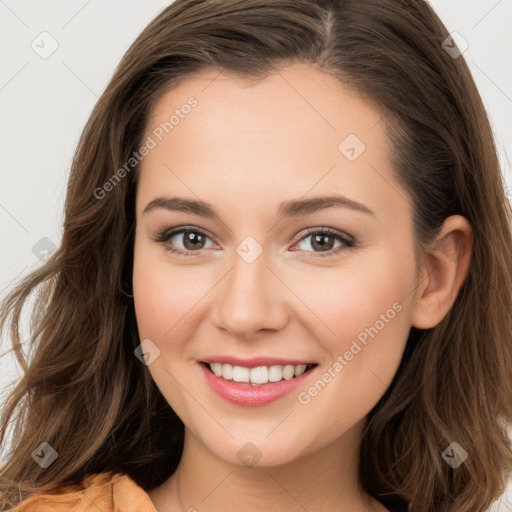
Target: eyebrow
[291,208]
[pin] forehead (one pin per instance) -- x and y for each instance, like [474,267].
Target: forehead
[296,130]
[297,101]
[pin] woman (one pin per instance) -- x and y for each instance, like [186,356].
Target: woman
[284,280]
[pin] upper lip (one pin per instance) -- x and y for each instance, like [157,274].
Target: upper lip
[253,362]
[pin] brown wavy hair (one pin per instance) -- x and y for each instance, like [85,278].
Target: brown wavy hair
[85,393]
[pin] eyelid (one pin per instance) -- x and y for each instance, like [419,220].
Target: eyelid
[324,229]
[167,233]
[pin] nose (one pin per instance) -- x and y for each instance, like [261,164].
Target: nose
[250,299]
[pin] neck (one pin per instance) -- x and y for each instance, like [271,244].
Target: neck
[324,481]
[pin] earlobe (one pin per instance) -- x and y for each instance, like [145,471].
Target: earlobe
[444,269]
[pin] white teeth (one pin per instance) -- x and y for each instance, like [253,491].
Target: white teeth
[227,371]
[240,374]
[216,368]
[300,369]
[258,375]
[288,371]
[275,373]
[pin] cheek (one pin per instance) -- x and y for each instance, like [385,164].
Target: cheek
[362,314]
[364,326]
[164,293]
[348,299]
[160,295]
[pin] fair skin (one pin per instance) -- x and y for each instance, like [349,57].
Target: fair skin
[245,149]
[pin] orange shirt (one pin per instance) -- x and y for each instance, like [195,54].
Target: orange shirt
[99,492]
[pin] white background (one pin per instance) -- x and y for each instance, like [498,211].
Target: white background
[44,104]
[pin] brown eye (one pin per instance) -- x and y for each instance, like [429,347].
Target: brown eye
[324,241]
[185,242]
[193,240]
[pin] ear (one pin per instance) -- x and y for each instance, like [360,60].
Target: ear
[442,273]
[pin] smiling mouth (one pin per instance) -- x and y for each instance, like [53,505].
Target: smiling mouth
[260,375]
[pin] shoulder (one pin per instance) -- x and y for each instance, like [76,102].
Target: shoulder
[100,491]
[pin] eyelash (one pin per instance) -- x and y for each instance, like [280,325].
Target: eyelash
[347,242]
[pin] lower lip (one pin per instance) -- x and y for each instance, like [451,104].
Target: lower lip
[241,393]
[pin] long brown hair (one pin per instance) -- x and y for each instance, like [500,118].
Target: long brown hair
[87,395]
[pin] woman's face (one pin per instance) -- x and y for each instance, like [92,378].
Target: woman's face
[259,276]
